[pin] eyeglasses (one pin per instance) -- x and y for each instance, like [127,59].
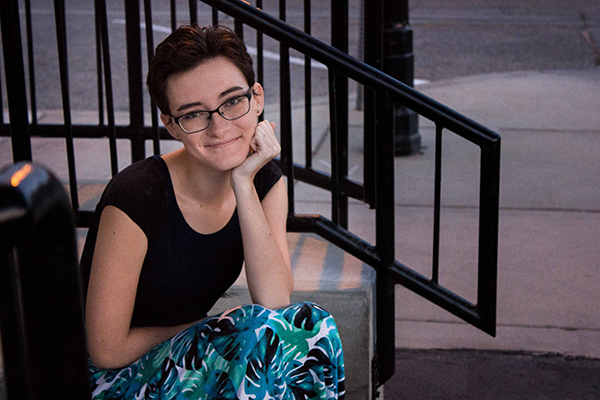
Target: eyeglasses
[197,121]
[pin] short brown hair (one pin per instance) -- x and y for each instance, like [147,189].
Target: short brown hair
[189,46]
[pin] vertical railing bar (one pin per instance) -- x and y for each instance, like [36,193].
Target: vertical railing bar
[32,96]
[61,40]
[385,238]
[1,103]
[369,182]
[110,109]
[16,89]
[334,136]
[360,89]
[238,27]
[260,58]
[99,70]
[150,53]
[489,194]
[373,52]
[339,40]
[437,204]
[134,73]
[173,15]
[14,344]
[193,11]
[286,113]
[215,16]
[307,92]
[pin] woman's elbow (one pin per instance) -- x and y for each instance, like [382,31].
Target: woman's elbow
[276,300]
[106,358]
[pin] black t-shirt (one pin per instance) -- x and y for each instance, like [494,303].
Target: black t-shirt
[184,272]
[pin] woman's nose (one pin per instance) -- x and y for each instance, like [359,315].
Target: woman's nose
[217,125]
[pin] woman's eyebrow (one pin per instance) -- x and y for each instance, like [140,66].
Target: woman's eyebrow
[221,95]
[230,90]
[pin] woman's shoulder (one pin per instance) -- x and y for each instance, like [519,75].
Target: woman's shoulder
[137,187]
[139,174]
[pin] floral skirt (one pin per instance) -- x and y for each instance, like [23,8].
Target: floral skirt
[249,352]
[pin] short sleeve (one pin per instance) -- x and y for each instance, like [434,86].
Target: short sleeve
[137,191]
[266,178]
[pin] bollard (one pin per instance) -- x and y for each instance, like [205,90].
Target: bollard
[398,62]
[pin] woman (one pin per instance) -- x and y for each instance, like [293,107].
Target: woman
[170,235]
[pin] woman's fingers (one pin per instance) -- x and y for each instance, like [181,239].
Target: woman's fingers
[265,146]
[264,141]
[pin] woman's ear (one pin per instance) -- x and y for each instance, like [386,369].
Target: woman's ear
[258,94]
[170,125]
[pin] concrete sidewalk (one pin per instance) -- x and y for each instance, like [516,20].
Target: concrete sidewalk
[549,253]
[549,250]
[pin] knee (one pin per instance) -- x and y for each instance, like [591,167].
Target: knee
[307,315]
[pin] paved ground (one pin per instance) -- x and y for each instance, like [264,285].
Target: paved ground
[492,375]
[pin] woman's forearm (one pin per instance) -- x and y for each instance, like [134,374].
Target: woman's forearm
[268,272]
[120,353]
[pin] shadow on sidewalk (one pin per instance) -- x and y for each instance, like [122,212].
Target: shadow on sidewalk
[473,374]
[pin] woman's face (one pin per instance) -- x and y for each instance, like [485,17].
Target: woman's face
[224,144]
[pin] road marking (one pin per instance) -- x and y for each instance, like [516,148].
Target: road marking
[251,50]
[353,169]
[254,51]
[325,163]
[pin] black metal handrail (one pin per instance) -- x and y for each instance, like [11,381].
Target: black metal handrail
[354,69]
[41,307]
[382,255]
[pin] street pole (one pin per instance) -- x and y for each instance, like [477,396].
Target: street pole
[398,62]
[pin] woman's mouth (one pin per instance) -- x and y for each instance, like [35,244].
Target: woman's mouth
[224,143]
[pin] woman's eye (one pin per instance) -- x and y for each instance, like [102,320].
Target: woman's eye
[233,102]
[191,115]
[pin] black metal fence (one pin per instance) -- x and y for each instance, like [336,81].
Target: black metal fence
[377,188]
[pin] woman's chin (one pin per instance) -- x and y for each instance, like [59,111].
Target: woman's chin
[229,163]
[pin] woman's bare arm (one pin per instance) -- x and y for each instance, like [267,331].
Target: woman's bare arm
[263,225]
[120,249]
[266,254]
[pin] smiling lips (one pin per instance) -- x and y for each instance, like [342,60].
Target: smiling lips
[221,144]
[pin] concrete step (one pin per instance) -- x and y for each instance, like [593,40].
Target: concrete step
[340,283]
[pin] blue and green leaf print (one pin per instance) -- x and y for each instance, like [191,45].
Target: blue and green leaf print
[249,352]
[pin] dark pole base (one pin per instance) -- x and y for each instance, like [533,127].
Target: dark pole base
[407,140]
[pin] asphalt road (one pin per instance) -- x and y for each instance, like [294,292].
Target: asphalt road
[451,39]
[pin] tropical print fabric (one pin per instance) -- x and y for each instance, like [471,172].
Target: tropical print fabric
[249,352]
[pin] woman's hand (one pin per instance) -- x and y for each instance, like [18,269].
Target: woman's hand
[264,146]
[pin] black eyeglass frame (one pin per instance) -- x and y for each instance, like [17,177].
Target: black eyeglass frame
[248,95]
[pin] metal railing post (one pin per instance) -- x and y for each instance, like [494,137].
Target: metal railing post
[41,307]
[373,20]
[385,319]
[134,72]
[339,40]
[16,91]
[285,104]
